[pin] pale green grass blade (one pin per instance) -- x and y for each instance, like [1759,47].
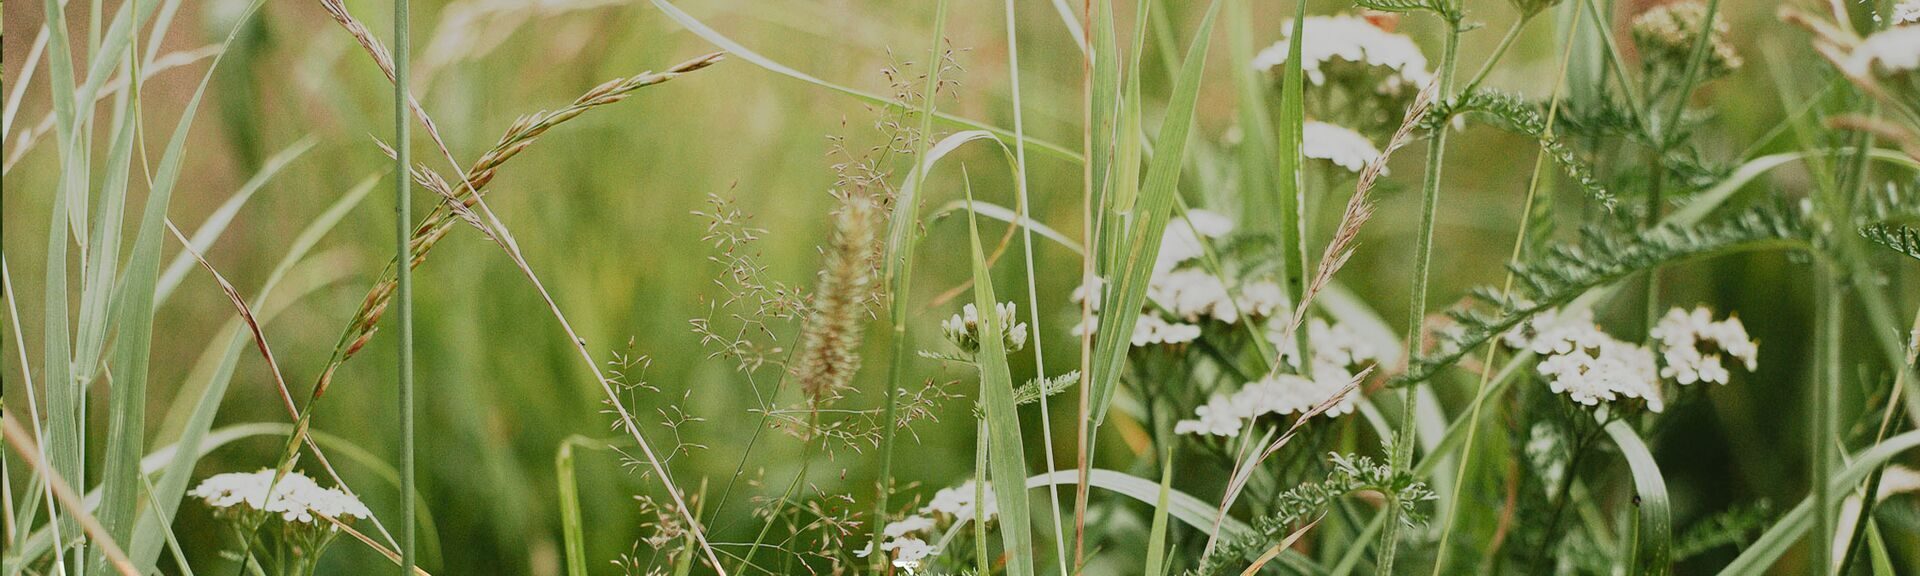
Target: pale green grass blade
[1157,533]
[1291,177]
[1128,294]
[64,398]
[573,535]
[1005,443]
[173,482]
[1186,508]
[1259,182]
[1758,558]
[216,223]
[134,312]
[1653,533]
[97,279]
[1004,214]
[737,49]
[1103,107]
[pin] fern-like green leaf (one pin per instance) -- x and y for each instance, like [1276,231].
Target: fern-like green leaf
[1902,239]
[1516,115]
[1439,7]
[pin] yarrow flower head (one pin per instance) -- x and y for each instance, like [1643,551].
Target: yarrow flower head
[963,329]
[296,498]
[1666,35]
[1586,364]
[1279,394]
[1337,144]
[1349,49]
[957,503]
[1693,344]
[1906,13]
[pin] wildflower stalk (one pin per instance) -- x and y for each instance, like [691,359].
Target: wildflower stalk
[1402,458]
[899,274]
[1506,289]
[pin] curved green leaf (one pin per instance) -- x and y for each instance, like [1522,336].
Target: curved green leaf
[1653,532]
[1759,557]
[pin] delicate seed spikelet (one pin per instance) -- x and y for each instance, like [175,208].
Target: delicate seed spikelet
[829,347]
[1667,34]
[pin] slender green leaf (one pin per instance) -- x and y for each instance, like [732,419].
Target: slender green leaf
[1653,533]
[573,534]
[1128,294]
[1291,179]
[134,313]
[1005,447]
[1186,508]
[1157,535]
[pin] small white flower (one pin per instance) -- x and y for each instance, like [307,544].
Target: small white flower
[908,525]
[1692,345]
[1605,371]
[1261,298]
[1089,292]
[963,329]
[1181,241]
[1353,39]
[1151,329]
[1337,144]
[957,502]
[1895,50]
[1193,293]
[1906,13]
[1335,345]
[908,552]
[1219,417]
[1556,332]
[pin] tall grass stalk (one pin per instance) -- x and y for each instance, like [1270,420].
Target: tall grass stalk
[1402,457]
[898,272]
[1033,294]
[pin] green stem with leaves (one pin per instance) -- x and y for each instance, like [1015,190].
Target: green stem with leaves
[1402,457]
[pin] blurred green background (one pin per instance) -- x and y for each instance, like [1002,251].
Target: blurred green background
[603,209]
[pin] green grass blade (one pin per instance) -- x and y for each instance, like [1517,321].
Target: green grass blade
[134,312]
[1005,447]
[1157,534]
[1653,533]
[1186,508]
[1103,107]
[97,280]
[1292,177]
[573,535]
[1259,183]
[740,50]
[1758,558]
[1128,294]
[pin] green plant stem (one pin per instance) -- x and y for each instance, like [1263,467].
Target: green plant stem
[403,216]
[1823,436]
[1506,288]
[1402,457]
[1506,41]
[899,271]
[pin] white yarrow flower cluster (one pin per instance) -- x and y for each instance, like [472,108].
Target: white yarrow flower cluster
[906,538]
[1906,13]
[1894,50]
[1351,39]
[963,329]
[1337,351]
[1337,144]
[1189,296]
[1585,363]
[296,498]
[1693,344]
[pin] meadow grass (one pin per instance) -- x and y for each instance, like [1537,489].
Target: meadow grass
[1702,219]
